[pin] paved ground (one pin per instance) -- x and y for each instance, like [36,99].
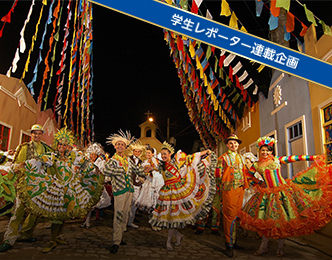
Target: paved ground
[143,243]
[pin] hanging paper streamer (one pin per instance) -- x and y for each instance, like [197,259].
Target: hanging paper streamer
[56,23]
[57,104]
[22,45]
[47,67]
[71,65]
[7,17]
[35,71]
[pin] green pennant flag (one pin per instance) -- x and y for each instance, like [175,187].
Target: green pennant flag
[208,52]
[283,3]
[310,15]
[233,92]
[326,29]
[221,75]
[216,61]
[235,98]
[184,4]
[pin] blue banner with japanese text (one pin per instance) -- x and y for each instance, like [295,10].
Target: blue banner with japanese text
[224,37]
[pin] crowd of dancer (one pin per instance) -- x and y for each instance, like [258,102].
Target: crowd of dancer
[62,182]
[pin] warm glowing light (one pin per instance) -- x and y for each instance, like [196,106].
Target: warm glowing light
[151,119]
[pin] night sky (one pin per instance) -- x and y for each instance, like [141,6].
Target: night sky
[133,70]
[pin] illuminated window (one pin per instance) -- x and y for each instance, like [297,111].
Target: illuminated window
[25,138]
[4,137]
[327,131]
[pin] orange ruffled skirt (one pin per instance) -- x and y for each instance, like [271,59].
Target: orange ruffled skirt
[297,208]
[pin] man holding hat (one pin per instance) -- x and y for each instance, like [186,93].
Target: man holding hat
[233,184]
[121,170]
[25,151]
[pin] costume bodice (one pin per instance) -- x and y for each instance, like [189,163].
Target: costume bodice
[271,173]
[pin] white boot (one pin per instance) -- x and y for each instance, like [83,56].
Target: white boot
[263,247]
[179,237]
[169,239]
[280,250]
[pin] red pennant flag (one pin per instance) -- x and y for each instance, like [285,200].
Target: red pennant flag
[2,30]
[304,29]
[221,61]
[290,24]
[230,73]
[213,49]
[7,17]
[237,82]
[274,10]
[194,7]
[179,43]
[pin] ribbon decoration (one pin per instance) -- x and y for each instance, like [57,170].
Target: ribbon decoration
[7,17]
[22,45]
[58,97]
[56,38]
[47,67]
[35,71]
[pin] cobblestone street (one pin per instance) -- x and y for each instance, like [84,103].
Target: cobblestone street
[143,243]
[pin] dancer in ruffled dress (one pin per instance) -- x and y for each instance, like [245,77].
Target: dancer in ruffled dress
[287,208]
[188,191]
[21,223]
[7,184]
[94,154]
[153,183]
[64,195]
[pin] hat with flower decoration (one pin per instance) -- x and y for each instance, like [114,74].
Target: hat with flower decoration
[265,140]
[36,127]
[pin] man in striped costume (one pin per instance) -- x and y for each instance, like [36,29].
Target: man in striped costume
[121,171]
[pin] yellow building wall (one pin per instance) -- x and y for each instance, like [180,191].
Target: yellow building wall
[321,49]
[318,94]
[252,133]
[19,116]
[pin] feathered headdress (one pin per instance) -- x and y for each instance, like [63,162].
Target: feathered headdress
[63,136]
[265,140]
[94,148]
[124,137]
[168,147]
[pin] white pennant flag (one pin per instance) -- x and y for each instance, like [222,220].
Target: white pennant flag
[209,15]
[229,59]
[243,76]
[255,90]
[237,67]
[198,2]
[247,85]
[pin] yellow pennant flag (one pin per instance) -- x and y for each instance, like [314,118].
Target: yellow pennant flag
[233,21]
[191,50]
[283,3]
[225,8]
[169,2]
[260,68]
[243,29]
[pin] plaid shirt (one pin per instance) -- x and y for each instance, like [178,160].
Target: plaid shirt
[121,171]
